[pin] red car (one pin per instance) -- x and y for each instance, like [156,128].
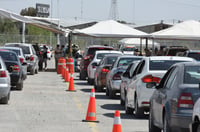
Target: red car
[88,56]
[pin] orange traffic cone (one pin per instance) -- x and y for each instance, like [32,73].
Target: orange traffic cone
[91,112]
[63,72]
[67,75]
[117,122]
[71,83]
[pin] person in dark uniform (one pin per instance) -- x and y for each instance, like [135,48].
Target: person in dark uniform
[45,57]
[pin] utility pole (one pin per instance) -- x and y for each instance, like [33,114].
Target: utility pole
[113,10]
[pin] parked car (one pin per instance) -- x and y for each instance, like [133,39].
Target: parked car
[49,53]
[193,54]
[30,54]
[195,125]
[21,56]
[126,78]
[101,71]
[4,83]
[95,62]
[14,67]
[173,50]
[172,102]
[150,69]
[113,78]
[88,56]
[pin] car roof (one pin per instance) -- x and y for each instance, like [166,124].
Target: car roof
[193,51]
[108,51]
[96,46]
[170,58]
[130,56]
[16,48]
[23,44]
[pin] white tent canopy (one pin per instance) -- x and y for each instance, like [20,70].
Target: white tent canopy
[185,30]
[137,42]
[111,29]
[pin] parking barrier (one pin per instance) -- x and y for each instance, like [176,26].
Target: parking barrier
[61,62]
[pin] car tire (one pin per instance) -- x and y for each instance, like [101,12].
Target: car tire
[82,76]
[139,112]
[5,99]
[122,102]
[90,81]
[198,128]
[36,71]
[128,110]
[19,86]
[152,127]
[32,72]
[166,127]
[107,91]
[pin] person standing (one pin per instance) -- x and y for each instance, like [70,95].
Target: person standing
[57,55]
[45,57]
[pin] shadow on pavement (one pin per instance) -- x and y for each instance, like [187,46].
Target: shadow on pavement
[87,90]
[81,83]
[112,107]
[125,116]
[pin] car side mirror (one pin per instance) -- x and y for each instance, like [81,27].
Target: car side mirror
[151,85]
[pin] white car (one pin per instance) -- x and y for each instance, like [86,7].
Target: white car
[195,125]
[95,62]
[150,69]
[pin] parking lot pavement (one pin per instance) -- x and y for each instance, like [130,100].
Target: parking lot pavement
[45,105]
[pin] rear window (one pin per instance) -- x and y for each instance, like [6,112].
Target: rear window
[111,60]
[25,49]
[91,51]
[126,61]
[191,75]
[16,51]
[101,55]
[8,56]
[196,56]
[129,49]
[156,65]
[173,52]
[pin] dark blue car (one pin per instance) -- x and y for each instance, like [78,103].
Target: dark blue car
[172,102]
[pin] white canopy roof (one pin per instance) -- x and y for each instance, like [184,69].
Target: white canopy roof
[111,29]
[136,42]
[185,30]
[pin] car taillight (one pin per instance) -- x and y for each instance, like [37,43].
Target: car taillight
[21,60]
[48,51]
[185,101]
[104,70]
[87,57]
[3,74]
[117,76]
[16,68]
[150,78]
[31,58]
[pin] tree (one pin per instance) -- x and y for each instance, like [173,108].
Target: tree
[30,11]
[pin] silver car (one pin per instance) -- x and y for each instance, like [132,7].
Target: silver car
[113,78]
[30,54]
[4,83]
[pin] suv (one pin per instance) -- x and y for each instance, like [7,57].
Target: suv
[173,50]
[30,54]
[88,56]
[193,54]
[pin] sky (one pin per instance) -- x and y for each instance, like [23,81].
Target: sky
[140,12]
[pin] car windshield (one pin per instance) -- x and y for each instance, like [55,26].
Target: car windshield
[191,75]
[173,52]
[196,56]
[8,56]
[156,65]
[126,61]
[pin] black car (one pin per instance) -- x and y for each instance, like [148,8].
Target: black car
[172,102]
[14,67]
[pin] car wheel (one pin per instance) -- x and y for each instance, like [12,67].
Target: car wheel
[107,91]
[32,72]
[198,128]
[152,127]
[4,100]
[90,81]
[82,76]
[139,112]
[166,127]
[128,110]
[122,102]
[36,71]
[20,86]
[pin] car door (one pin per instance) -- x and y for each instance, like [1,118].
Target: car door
[162,94]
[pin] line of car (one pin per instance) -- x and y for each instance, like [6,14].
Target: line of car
[165,87]
[16,60]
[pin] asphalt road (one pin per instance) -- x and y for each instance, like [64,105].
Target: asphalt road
[45,105]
